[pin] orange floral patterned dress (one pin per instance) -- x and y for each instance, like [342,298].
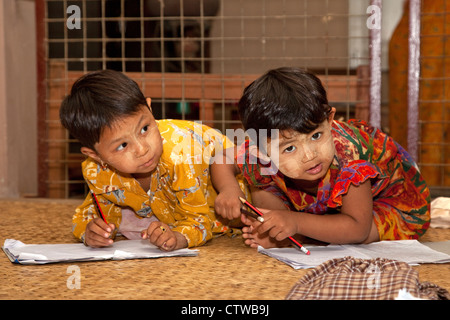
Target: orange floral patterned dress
[401,199]
[181,193]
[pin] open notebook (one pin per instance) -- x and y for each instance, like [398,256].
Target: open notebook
[410,251]
[21,253]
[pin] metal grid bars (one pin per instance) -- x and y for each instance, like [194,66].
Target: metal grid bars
[195,57]
[434,96]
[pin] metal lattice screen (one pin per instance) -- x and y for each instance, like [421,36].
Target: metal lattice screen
[194,58]
[434,98]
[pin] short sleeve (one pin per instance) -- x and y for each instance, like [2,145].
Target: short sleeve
[355,173]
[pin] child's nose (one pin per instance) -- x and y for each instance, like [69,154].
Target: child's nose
[308,154]
[141,149]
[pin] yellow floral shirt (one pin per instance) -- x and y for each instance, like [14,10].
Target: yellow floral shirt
[181,193]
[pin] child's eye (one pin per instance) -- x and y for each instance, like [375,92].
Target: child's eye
[122,146]
[289,149]
[144,129]
[316,136]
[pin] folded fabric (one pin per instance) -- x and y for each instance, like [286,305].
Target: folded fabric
[364,279]
[440,213]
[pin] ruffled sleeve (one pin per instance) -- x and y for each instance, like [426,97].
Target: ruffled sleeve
[355,173]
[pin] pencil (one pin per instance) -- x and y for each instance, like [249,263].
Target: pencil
[259,213]
[253,215]
[97,206]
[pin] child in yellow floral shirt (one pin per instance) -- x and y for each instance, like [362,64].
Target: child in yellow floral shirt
[152,178]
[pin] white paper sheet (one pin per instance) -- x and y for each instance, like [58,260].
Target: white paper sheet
[409,251]
[18,252]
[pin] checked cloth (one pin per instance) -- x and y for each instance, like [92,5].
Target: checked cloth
[363,279]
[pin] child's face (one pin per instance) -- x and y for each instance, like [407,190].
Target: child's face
[305,156]
[132,145]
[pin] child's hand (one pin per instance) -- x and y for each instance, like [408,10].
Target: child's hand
[227,203]
[162,236]
[98,233]
[253,237]
[278,224]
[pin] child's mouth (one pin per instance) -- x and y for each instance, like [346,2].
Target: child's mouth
[148,163]
[315,170]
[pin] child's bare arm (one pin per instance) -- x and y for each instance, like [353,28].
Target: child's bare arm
[223,177]
[267,200]
[354,224]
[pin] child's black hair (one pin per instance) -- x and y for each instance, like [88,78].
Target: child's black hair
[96,101]
[286,98]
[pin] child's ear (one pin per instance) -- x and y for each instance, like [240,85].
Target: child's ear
[91,153]
[149,103]
[331,115]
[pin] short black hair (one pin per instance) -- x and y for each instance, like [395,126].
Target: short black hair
[286,98]
[96,101]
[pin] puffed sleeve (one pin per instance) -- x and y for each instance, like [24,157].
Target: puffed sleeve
[355,173]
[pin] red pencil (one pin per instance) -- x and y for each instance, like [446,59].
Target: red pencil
[295,242]
[97,205]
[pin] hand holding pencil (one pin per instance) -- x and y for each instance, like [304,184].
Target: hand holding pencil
[98,231]
[274,227]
